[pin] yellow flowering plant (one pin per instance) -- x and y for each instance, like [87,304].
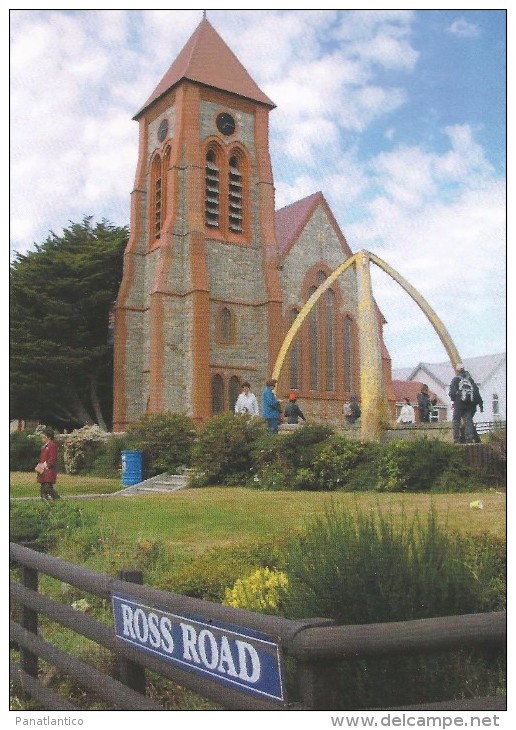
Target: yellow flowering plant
[259,591]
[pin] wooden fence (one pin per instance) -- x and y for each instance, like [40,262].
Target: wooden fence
[316,645]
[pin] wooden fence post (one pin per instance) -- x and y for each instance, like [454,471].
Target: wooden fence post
[318,683]
[131,673]
[29,661]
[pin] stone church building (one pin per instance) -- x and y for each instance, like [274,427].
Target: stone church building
[213,274]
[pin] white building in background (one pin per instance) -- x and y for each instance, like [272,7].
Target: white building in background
[488,371]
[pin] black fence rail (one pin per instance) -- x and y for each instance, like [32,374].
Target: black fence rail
[316,645]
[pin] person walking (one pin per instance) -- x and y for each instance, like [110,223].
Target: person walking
[46,469]
[271,407]
[424,404]
[352,410]
[292,410]
[407,413]
[465,397]
[246,402]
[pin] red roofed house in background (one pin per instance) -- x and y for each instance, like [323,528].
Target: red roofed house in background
[409,389]
[213,275]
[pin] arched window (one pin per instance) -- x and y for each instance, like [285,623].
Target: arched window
[496,405]
[157,198]
[348,354]
[329,345]
[226,326]
[217,394]
[235,195]
[212,190]
[234,390]
[313,342]
[164,176]
[295,355]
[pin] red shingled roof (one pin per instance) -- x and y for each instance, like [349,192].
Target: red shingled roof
[207,60]
[409,389]
[291,220]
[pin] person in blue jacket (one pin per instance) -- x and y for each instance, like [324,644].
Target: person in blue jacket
[271,407]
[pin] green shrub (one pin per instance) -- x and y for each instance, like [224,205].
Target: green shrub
[107,460]
[166,440]
[41,525]
[223,451]
[367,568]
[210,574]
[82,447]
[285,461]
[334,465]
[24,448]
[422,465]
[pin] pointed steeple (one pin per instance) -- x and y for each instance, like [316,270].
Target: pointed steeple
[207,60]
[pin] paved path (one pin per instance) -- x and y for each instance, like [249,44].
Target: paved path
[162,483]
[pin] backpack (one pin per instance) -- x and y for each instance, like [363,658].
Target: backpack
[347,409]
[466,392]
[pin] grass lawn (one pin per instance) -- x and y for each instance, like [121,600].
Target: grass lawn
[23,484]
[199,519]
[221,516]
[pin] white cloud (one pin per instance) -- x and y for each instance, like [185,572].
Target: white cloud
[463,29]
[436,213]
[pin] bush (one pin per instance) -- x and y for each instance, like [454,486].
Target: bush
[285,461]
[333,467]
[166,440]
[210,574]
[368,568]
[423,465]
[82,447]
[41,525]
[223,451]
[24,448]
[260,591]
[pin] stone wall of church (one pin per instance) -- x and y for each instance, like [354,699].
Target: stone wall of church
[318,243]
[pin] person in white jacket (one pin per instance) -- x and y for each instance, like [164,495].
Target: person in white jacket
[247,402]
[407,413]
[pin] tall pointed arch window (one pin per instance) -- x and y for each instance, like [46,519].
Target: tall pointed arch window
[226,326]
[212,190]
[235,194]
[313,343]
[217,394]
[348,354]
[157,197]
[164,176]
[233,391]
[295,356]
[329,344]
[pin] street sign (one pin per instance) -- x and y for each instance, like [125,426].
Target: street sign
[239,657]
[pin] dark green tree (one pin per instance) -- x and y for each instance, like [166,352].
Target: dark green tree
[61,353]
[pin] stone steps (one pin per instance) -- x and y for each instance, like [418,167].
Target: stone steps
[161,483]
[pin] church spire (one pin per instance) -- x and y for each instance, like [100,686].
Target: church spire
[206,59]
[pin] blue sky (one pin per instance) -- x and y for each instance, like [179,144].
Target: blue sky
[397,116]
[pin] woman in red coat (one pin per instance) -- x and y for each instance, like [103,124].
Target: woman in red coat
[47,467]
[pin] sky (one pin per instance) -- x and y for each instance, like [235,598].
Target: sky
[397,116]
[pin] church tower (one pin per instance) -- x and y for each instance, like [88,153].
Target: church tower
[199,309]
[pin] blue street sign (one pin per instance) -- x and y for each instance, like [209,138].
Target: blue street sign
[239,657]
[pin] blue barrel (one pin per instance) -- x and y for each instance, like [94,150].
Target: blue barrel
[132,467]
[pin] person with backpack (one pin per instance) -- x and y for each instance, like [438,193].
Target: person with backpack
[465,397]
